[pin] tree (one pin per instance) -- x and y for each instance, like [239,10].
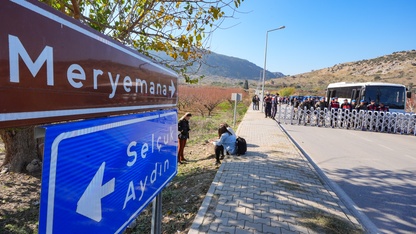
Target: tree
[179,29]
[205,99]
[286,92]
[20,147]
[245,85]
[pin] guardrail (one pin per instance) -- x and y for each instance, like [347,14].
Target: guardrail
[376,121]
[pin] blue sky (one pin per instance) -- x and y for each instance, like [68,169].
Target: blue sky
[318,33]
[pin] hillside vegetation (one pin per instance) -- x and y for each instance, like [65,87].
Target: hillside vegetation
[399,67]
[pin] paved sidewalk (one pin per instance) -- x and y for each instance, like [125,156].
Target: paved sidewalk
[271,189]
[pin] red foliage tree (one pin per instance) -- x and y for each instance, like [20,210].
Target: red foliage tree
[204,99]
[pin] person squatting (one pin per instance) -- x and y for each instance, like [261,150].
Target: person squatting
[226,142]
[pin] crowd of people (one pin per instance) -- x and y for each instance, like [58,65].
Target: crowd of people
[270,102]
[338,117]
[226,142]
[334,104]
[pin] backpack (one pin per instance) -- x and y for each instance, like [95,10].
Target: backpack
[241,146]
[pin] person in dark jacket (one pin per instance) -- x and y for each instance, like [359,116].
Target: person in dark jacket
[320,107]
[304,108]
[183,136]
[267,101]
[353,104]
[321,104]
[361,106]
[256,101]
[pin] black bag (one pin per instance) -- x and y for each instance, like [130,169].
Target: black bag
[241,146]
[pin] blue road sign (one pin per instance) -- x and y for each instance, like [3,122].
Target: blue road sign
[98,175]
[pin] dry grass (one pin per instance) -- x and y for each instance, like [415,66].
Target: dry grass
[19,202]
[322,222]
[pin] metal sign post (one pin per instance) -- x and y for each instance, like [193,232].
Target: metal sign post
[236,97]
[157,215]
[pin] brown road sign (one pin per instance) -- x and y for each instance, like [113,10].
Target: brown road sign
[53,68]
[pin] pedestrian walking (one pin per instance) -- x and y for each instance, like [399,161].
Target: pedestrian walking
[255,101]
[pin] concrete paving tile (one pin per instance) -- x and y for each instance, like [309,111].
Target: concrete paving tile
[243,231]
[226,229]
[245,217]
[213,227]
[259,219]
[237,209]
[239,223]
[254,211]
[298,228]
[213,232]
[227,214]
[286,231]
[223,207]
[245,204]
[270,229]
[253,226]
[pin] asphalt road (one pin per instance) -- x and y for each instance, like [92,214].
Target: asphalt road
[376,170]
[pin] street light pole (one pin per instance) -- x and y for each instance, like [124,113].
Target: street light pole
[264,69]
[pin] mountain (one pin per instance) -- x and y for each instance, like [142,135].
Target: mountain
[230,67]
[398,67]
[221,66]
[278,74]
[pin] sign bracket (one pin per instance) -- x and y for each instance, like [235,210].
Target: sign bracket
[39,132]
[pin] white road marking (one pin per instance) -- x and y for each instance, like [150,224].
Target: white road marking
[386,147]
[409,156]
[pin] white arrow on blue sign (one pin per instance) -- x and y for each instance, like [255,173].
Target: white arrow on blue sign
[98,175]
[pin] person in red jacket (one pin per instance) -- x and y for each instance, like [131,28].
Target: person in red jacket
[372,106]
[334,105]
[345,106]
[382,107]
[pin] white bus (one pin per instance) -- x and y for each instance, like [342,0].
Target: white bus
[391,95]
